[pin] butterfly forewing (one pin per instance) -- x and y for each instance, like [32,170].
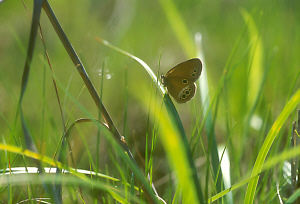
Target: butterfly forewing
[189,70]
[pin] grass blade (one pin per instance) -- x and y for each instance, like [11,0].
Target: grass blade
[184,37]
[290,106]
[283,156]
[27,135]
[186,170]
[179,27]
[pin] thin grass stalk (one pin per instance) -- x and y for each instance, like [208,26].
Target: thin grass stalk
[297,158]
[80,68]
[293,160]
[209,124]
[98,132]
[147,191]
[147,159]
[30,50]
[207,110]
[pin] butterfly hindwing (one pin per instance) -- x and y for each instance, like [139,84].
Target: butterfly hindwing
[179,91]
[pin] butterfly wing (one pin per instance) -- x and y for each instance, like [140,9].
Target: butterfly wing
[189,70]
[181,92]
[180,80]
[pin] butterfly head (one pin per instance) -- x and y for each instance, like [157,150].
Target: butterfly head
[163,80]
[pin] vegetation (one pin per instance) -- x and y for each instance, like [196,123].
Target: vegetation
[85,118]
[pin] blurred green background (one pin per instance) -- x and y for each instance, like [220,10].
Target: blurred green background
[142,28]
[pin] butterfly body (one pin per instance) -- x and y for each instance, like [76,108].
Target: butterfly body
[180,80]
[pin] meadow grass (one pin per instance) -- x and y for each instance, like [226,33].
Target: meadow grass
[61,127]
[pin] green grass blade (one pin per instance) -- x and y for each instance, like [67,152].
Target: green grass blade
[179,27]
[82,178]
[186,40]
[30,50]
[283,156]
[293,197]
[33,33]
[255,58]
[290,106]
[191,192]
[186,170]
[125,155]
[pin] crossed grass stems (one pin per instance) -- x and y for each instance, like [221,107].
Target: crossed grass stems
[38,5]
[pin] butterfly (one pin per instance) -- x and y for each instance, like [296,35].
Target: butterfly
[180,80]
